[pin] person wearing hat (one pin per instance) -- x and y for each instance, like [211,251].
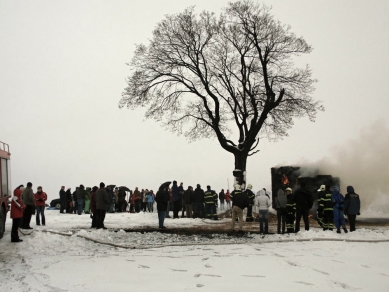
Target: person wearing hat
[239,202]
[102,204]
[328,209]
[320,204]
[251,197]
[352,206]
[338,203]
[280,205]
[290,210]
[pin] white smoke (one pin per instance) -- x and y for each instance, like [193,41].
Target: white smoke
[362,162]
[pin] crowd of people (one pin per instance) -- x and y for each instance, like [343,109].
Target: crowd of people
[191,203]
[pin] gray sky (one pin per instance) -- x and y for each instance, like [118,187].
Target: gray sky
[62,72]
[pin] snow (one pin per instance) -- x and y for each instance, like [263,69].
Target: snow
[309,260]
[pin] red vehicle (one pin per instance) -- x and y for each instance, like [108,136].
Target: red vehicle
[5,184]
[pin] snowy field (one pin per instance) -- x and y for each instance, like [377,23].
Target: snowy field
[312,260]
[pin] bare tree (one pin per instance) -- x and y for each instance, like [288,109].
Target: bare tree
[203,75]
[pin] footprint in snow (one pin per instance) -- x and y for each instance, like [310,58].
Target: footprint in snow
[304,283]
[199,285]
[254,276]
[204,259]
[174,270]
[321,272]
[366,266]
[144,267]
[208,266]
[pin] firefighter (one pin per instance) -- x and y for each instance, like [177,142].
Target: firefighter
[210,201]
[251,196]
[328,210]
[320,203]
[290,210]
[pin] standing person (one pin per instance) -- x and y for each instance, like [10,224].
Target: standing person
[222,197]
[199,202]
[112,201]
[290,211]
[304,202]
[93,206]
[137,197]
[40,200]
[63,199]
[183,207]
[87,200]
[188,199]
[144,200]
[320,205]
[352,207]
[240,201]
[327,209]
[251,197]
[81,193]
[176,197]
[74,197]
[102,203]
[280,204]
[210,202]
[262,202]
[69,201]
[338,202]
[17,208]
[228,200]
[162,198]
[116,194]
[29,201]
[150,201]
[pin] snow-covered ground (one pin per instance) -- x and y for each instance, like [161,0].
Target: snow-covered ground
[310,260]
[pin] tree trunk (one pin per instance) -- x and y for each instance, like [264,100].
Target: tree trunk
[240,169]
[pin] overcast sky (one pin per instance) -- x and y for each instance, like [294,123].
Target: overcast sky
[62,72]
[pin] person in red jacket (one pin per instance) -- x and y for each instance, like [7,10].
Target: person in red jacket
[40,201]
[17,208]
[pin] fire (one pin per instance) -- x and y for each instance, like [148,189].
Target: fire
[285,179]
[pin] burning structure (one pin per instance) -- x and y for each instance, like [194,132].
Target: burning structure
[292,176]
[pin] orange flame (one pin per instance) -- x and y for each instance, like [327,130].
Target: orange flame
[285,179]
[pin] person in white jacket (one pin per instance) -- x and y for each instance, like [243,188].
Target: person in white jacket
[262,202]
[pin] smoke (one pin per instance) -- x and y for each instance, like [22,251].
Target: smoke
[362,162]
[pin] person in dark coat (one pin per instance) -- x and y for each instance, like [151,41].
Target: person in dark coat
[280,204]
[239,201]
[338,203]
[320,203]
[290,211]
[176,197]
[29,201]
[162,198]
[69,201]
[327,209]
[75,204]
[251,197]
[304,202]
[102,203]
[199,202]
[352,207]
[93,206]
[188,199]
[63,199]
[222,197]
[210,203]
[80,194]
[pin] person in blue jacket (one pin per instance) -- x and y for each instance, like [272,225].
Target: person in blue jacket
[352,206]
[338,202]
[150,201]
